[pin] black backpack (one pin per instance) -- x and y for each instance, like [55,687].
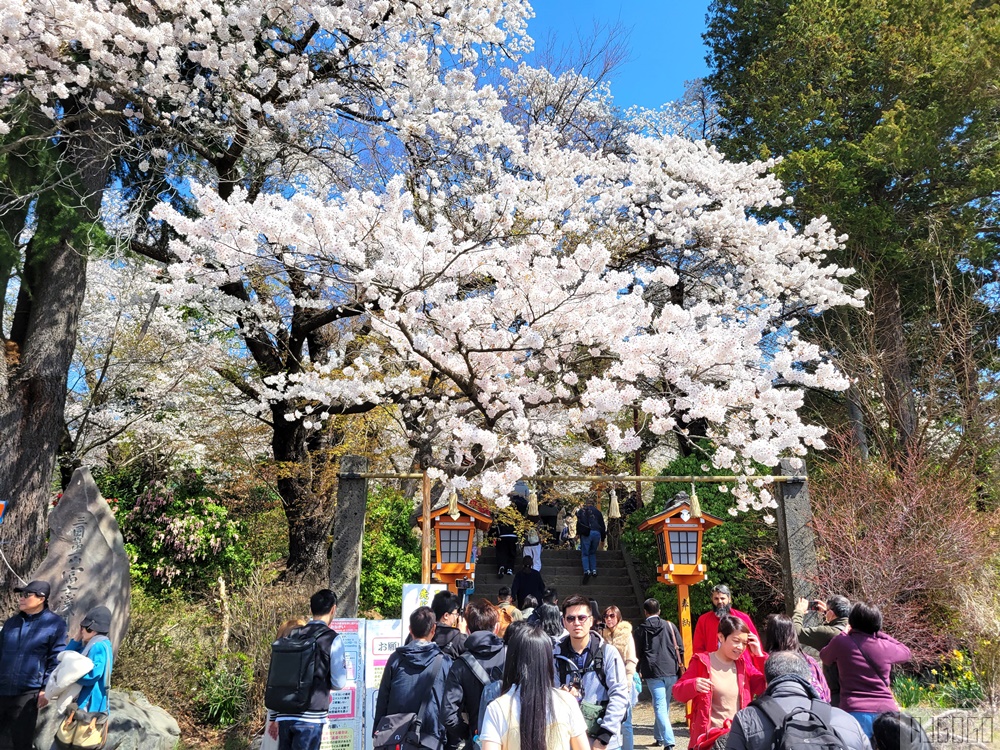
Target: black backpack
[566,666]
[293,670]
[801,728]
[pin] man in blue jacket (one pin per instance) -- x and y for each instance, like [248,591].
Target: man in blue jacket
[29,644]
[413,681]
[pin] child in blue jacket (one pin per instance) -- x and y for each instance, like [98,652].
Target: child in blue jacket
[92,641]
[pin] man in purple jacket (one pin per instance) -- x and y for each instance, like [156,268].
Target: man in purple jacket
[864,659]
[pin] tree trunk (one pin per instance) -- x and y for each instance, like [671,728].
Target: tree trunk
[306,484]
[39,348]
[856,418]
[32,396]
[894,362]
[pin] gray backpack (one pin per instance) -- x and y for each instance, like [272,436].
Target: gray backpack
[491,691]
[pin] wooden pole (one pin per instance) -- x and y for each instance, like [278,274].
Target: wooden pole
[602,478]
[638,459]
[425,543]
[684,619]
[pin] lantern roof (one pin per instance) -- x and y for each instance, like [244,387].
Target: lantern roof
[441,508]
[675,511]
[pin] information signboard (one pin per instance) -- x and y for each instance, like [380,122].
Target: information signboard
[418,595]
[345,721]
[382,637]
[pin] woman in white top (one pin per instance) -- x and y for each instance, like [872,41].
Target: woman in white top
[532,714]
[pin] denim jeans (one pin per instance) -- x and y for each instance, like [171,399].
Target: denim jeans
[660,688]
[299,735]
[628,738]
[588,550]
[866,720]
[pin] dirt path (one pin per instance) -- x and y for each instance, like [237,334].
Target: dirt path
[642,725]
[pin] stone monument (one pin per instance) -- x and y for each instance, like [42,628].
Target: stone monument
[86,564]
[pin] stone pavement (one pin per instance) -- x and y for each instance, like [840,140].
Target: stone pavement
[642,725]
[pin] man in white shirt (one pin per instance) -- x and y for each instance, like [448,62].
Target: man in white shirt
[303,731]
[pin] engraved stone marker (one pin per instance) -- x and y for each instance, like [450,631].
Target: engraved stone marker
[86,563]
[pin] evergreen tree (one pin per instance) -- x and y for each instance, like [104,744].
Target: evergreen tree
[885,117]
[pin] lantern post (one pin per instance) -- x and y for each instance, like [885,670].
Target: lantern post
[679,530]
[454,526]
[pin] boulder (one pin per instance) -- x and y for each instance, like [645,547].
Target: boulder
[85,563]
[136,724]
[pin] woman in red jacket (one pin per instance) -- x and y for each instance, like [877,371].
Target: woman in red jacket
[721,683]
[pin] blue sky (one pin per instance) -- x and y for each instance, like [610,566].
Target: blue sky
[664,40]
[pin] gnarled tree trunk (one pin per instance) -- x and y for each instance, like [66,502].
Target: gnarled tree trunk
[38,349]
[32,396]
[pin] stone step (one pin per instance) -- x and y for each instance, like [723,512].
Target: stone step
[562,569]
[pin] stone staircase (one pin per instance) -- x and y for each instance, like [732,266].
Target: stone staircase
[562,569]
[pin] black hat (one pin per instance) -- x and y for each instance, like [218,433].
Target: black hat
[41,588]
[98,619]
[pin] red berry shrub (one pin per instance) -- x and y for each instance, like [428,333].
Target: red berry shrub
[907,539]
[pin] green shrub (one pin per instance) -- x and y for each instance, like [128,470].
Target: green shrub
[390,554]
[723,547]
[177,534]
[911,691]
[224,689]
[956,684]
[178,541]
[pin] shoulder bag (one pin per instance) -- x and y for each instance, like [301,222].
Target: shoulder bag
[402,731]
[83,730]
[879,674]
[677,651]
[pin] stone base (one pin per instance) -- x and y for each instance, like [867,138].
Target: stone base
[136,724]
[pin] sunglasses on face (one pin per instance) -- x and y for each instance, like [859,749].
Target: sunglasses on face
[610,616]
[576,618]
[89,630]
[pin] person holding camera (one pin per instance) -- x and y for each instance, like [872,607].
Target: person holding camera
[834,611]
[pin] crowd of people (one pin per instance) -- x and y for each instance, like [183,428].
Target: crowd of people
[562,675]
[569,674]
[529,671]
[35,666]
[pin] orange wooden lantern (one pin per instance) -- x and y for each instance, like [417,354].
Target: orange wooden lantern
[678,542]
[455,527]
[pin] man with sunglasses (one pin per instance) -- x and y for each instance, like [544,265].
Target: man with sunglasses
[593,672]
[30,641]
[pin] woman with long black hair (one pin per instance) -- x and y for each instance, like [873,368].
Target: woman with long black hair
[779,635]
[532,714]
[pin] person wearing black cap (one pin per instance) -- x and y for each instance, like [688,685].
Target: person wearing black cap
[92,641]
[29,644]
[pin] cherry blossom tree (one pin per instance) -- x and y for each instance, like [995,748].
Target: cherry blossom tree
[498,322]
[338,184]
[145,382]
[137,96]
